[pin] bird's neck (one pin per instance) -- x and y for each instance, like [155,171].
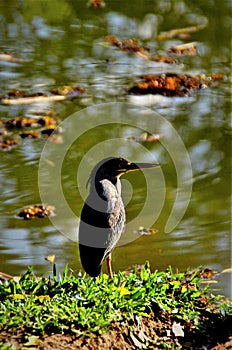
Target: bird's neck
[114,180]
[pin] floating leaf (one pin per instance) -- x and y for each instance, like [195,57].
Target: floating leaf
[6,144]
[180,32]
[25,122]
[18,97]
[97,4]
[171,84]
[229,270]
[130,45]
[51,258]
[144,231]
[164,59]
[188,49]
[207,273]
[30,135]
[38,210]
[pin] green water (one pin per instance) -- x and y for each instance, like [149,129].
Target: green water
[61,43]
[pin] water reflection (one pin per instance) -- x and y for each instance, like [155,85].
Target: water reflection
[64,45]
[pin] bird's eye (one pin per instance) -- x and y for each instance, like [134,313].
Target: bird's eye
[123,165]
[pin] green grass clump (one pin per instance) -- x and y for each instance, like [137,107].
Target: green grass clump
[86,306]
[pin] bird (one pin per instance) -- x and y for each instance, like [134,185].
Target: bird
[103,217]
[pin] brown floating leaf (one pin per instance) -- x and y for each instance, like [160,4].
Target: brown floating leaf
[21,122]
[18,97]
[48,120]
[181,32]
[52,129]
[217,76]
[30,135]
[165,59]
[184,50]
[144,231]
[207,273]
[171,84]
[69,91]
[16,93]
[39,211]
[130,45]
[96,3]
[6,144]
[52,134]
[145,137]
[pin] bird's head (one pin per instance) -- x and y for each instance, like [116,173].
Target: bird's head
[113,168]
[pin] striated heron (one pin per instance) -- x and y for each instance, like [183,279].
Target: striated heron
[103,214]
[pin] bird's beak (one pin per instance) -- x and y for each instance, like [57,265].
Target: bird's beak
[138,166]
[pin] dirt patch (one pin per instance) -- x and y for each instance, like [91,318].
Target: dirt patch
[144,333]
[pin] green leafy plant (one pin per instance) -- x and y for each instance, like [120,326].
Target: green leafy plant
[86,306]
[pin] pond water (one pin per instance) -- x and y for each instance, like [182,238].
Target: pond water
[62,43]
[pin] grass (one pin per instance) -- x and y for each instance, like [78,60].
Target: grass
[86,306]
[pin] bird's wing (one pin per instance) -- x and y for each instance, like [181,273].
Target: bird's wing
[115,208]
[115,214]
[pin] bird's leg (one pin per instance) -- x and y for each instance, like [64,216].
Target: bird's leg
[108,261]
